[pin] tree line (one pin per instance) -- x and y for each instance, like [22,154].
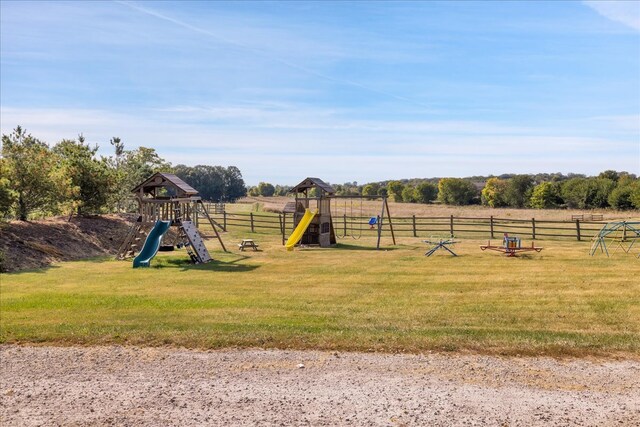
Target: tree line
[610,189]
[36,178]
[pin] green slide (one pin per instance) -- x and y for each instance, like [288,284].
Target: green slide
[151,244]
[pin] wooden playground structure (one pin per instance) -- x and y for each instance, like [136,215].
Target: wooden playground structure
[165,197]
[316,196]
[511,246]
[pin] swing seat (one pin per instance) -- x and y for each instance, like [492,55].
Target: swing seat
[372,221]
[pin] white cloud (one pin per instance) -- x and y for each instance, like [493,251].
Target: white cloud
[625,12]
[322,143]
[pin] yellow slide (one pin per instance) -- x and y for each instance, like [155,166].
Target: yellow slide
[300,229]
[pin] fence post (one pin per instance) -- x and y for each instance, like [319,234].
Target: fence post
[578,229]
[451,228]
[251,216]
[491,225]
[224,220]
[533,228]
[344,225]
[414,227]
[281,226]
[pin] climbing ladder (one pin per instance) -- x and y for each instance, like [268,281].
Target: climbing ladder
[189,237]
[133,242]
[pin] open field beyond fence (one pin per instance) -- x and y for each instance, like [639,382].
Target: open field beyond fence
[412,220]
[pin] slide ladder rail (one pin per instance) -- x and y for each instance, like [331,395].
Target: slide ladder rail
[132,242]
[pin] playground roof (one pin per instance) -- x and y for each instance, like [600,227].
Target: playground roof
[290,207]
[312,183]
[165,180]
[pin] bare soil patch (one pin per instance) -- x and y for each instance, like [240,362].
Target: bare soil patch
[37,244]
[98,386]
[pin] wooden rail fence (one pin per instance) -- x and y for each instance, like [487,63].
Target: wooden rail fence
[416,226]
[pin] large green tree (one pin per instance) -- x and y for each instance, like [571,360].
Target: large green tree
[587,193]
[93,179]
[456,191]
[635,194]
[426,192]
[408,194]
[8,197]
[493,193]
[518,191]
[214,183]
[545,195]
[371,189]
[266,189]
[626,195]
[33,174]
[394,189]
[234,186]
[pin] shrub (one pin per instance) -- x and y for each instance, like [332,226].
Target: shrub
[545,195]
[622,197]
[456,191]
[518,191]
[408,194]
[493,193]
[426,192]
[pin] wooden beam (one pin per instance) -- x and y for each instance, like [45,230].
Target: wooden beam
[213,225]
[393,236]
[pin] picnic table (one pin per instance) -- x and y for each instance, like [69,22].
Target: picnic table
[437,243]
[247,243]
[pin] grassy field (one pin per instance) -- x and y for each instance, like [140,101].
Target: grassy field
[558,302]
[274,204]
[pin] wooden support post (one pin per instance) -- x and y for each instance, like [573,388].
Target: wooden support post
[533,228]
[224,220]
[393,236]
[578,229]
[281,226]
[380,217]
[213,225]
[451,226]
[415,234]
[251,215]
[491,225]
[344,225]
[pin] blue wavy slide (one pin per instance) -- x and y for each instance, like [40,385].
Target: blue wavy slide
[151,244]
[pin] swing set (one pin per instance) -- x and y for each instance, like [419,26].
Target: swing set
[350,217]
[353,221]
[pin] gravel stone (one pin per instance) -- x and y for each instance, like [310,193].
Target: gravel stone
[133,386]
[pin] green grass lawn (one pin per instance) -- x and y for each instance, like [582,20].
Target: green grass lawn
[558,302]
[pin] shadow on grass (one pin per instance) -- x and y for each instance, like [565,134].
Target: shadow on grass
[215,265]
[52,265]
[349,247]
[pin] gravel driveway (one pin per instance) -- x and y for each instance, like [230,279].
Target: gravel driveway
[74,386]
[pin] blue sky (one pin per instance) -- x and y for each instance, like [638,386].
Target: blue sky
[346,91]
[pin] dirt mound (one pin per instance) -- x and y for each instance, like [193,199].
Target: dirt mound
[37,244]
